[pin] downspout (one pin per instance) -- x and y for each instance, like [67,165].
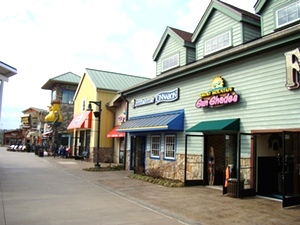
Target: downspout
[114,124]
[125,138]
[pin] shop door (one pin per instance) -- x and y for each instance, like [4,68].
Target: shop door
[290,169]
[138,154]
[242,182]
[230,164]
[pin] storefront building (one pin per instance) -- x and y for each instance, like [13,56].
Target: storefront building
[93,119]
[223,109]
[62,88]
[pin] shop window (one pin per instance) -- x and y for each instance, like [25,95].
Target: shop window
[155,146]
[217,43]
[288,14]
[53,95]
[67,96]
[170,146]
[170,62]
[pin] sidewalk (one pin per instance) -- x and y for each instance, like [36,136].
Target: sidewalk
[194,205]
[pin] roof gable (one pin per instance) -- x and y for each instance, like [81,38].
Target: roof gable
[183,38]
[66,78]
[229,10]
[259,5]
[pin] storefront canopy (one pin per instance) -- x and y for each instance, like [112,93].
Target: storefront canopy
[216,125]
[168,121]
[82,120]
[114,133]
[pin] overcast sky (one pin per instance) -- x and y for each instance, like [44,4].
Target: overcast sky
[46,38]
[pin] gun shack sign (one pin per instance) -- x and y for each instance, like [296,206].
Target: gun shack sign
[219,95]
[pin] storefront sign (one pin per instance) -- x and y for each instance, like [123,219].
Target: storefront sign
[167,96]
[292,60]
[219,95]
[144,101]
[164,96]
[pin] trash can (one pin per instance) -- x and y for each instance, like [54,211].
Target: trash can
[233,187]
[40,151]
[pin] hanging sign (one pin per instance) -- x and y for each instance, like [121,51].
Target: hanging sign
[219,95]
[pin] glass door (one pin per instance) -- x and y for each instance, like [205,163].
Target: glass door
[291,169]
[246,165]
[230,165]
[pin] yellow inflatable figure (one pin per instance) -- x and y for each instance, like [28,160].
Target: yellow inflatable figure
[54,117]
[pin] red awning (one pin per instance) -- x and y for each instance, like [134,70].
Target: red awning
[114,133]
[80,121]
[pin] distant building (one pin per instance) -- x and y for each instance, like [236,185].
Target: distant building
[32,125]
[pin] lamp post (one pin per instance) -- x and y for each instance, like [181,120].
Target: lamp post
[97,115]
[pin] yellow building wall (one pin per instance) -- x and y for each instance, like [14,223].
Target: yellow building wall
[88,92]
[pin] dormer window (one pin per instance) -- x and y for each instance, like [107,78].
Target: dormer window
[288,14]
[170,62]
[217,43]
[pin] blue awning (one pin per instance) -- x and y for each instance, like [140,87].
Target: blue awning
[168,121]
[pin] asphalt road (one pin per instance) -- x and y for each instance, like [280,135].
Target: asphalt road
[46,190]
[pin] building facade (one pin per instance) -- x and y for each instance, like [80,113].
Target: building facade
[32,126]
[93,118]
[223,109]
[62,89]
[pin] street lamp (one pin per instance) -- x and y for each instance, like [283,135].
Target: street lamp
[97,114]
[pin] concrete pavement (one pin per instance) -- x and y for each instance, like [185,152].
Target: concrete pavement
[47,190]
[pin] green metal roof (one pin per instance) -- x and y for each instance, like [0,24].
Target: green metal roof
[216,125]
[113,81]
[66,78]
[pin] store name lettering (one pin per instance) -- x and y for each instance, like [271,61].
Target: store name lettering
[217,100]
[292,60]
[144,101]
[219,95]
[166,96]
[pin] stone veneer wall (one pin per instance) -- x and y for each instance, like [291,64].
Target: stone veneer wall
[66,109]
[174,170]
[105,155]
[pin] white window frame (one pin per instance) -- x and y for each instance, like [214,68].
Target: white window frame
[295,6]
[170,146]
[217,43]
[155,146]
[170,62]
[83,103]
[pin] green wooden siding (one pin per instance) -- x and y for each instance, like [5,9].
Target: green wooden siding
[191,55]
[250,32]
[218,24]
[268,24]
[265,102]
[170,48]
